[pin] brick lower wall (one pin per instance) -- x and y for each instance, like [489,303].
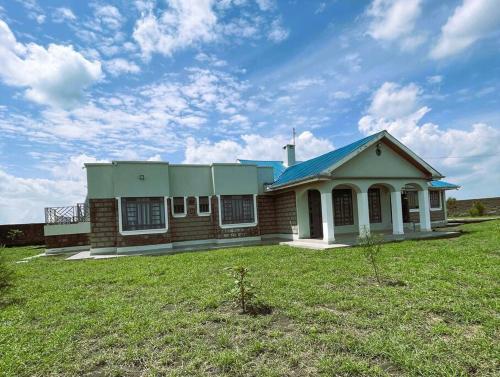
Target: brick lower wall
[194,227]
[267,214]
[462,207]
[32,234]
[435,216]
[103,222]
[67,240]
[286,213]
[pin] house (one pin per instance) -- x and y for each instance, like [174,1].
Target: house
[375,184]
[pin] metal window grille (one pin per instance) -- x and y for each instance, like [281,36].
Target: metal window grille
[374,205]
[434,199]
[237,209]
[342,207]
[203,204]
[179,205]
[143,213]
[412,199]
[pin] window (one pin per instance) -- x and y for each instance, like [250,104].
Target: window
[374,205]
[412,197]
[237,209]
[203,205]
[435,199]
[179,205]
[143,213]
[342,207]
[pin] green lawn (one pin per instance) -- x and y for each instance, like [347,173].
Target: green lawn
[170,315]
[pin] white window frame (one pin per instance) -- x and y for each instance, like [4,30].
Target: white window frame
[209,206]
[242,225]
[142,231]
[185,207]
[440,201]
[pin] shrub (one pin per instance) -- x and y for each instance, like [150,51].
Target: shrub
[14,234]
[371,245]
[243,293]
[477,209]
[6,276]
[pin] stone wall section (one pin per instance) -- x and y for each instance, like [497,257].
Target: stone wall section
[462,207]
[103,222]
[67,240]
[286,213]
[32,234]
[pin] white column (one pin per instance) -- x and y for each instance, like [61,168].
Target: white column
[424,212]
[397,213]
[445,207]
[302,213]
[327,217]
[363,213]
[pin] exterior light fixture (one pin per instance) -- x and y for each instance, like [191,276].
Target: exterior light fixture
[141,177]
[378,151]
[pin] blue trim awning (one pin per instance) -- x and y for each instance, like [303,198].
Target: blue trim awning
[443,185]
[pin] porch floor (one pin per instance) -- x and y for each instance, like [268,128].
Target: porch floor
[351,239]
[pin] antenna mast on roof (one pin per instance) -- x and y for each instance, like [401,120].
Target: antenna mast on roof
[293,133]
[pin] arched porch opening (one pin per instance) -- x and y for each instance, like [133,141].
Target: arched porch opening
[345,208]
[415,206]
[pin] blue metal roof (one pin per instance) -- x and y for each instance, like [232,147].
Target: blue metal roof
[443,185]
[277,166]
[317,165]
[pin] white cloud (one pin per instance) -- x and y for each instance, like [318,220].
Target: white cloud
[277,33]
[63,14]
[392,100]
[183,24]
[266,5]
[109,16]
[436,79]
[304,83]
[392,18]
[252,146]
[24,199]
[471,21]
[118,66]
[56,75]
[468,156]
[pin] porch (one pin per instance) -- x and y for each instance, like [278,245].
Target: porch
[351,239]
[337,212]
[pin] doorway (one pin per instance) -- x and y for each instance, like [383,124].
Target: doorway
[405,206]
[315,219]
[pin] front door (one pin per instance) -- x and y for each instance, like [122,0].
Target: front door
[315,220]
[405,207]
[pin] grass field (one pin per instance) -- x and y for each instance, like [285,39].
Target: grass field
[437,313]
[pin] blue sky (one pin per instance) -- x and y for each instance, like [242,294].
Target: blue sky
[204,80]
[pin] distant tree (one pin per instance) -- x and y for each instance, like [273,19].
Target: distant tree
[451,204]
[477,209]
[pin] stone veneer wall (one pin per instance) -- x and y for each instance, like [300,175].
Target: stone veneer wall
[267,214]
[104,226]
[462,207]
[193,227]
[103,222]
[286,213]
[67,240]
[435,216]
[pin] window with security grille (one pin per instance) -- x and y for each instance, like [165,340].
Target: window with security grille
[179,205]
[143,213]
[374,205]
[412,199]
[203,204]
[435,199]
[237,209]
[342,207]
